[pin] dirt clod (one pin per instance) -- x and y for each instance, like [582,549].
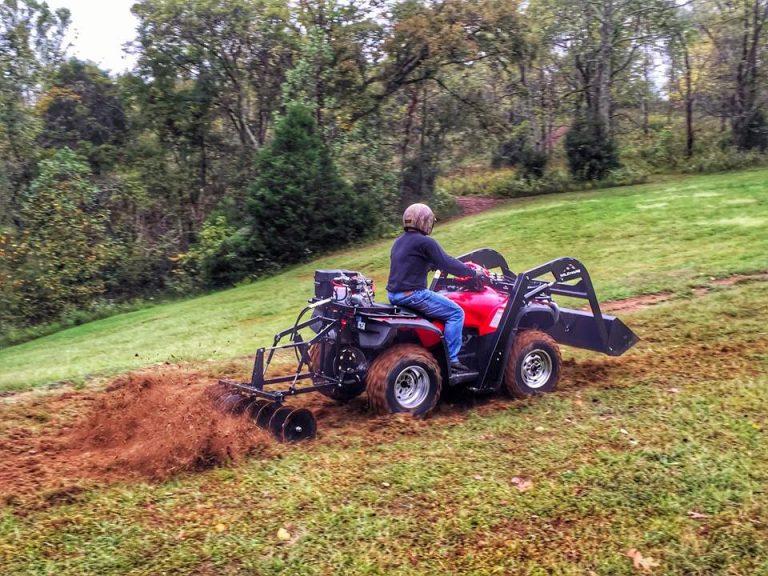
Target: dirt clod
[148,424]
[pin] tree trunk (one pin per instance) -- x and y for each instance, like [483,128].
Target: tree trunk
[689,135]
[605,69]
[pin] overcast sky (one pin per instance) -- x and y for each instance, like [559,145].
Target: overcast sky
[98,31]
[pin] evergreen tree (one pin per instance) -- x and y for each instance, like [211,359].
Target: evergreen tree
[591,152]
[299,204]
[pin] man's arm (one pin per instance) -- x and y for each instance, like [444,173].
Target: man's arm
[440,260]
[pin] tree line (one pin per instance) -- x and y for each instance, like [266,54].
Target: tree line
[253,134]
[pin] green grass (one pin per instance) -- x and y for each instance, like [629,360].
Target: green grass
[620,458]
[639,239]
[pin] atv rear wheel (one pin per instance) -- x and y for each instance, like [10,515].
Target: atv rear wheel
[404,378]
[342,393]
[533,365]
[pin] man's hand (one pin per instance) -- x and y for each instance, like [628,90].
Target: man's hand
[480,271]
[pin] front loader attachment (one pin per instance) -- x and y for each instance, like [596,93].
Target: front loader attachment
[591,330]
[568,277]
[581,329]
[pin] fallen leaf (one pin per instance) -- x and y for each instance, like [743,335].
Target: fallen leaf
[522,484]
[283,534]
[640,562]
[220,527]
[697,515]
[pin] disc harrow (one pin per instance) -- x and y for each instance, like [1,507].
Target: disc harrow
[285,423]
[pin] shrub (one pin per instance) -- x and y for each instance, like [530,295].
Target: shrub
[533,163]
[61,248]
[751,132]
[506,184]
[720,160]
[510,153]
[592,155]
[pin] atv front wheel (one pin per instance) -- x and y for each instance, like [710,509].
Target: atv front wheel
[404,378]
[533,365]
[342,393]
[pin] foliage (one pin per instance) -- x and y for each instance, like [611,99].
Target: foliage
[508,184]
[82,111]
[298,206]
[31,37]
[401,93]
[592,153]
[720,160]
[751,132]
[61,246]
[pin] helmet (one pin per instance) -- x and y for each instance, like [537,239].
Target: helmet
[419,217]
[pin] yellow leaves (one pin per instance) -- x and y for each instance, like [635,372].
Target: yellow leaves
[640,562]
[283,535]
[220,528]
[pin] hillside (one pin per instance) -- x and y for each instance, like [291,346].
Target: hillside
[668,236]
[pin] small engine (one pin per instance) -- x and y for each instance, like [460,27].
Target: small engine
[344,287]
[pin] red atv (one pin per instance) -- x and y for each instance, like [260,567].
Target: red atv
[512,332]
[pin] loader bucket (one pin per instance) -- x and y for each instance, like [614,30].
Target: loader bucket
[581,329]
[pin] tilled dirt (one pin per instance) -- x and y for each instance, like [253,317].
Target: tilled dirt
[154,424]
[150,424]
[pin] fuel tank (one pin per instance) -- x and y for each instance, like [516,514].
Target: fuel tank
[482,310]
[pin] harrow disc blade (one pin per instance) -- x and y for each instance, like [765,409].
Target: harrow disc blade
[277,420]
[299,425]
[217,390]
[241,405]
[265,414]
[252,410]
[229,401]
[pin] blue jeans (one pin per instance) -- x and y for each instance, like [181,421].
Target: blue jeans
[437,307]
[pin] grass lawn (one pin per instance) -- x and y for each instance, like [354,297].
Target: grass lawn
[662,451]
[655,237]
[660,454]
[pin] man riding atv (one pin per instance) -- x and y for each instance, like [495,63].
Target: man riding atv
[413,255]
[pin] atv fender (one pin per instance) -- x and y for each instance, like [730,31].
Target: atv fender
[380,332]
[541,316]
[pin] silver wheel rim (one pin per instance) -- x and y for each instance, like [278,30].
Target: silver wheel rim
[536,368]
[412,387]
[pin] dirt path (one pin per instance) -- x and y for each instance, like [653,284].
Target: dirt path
[476,204]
